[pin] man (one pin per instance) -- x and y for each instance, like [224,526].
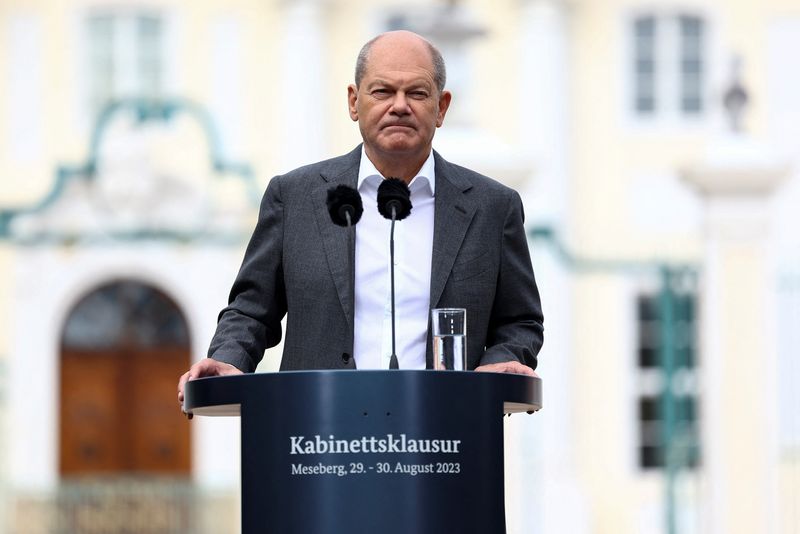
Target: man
[463,245]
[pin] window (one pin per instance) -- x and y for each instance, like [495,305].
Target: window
[660,414]
[691,75]
[668,64]
[126,57]
[125,313]
[645,61]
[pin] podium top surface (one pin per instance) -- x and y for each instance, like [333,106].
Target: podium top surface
[224,395]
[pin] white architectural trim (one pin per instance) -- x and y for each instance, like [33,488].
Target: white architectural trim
[49,283]
[25,77]
[738,225]
[544,122]
[303,75]
[227,83]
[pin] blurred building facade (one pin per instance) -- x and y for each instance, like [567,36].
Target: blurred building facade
[655,144]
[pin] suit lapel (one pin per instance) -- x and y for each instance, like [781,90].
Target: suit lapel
[338,242]
[452,217]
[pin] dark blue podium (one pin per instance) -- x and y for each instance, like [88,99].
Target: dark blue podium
[406,452]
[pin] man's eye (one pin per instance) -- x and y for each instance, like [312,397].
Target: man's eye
[418,94]
[380,92]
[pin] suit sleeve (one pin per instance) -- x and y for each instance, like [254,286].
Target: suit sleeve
[251,322]
[516,321]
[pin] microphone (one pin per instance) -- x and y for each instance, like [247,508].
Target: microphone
[344,205]
[394,199]
[394,202]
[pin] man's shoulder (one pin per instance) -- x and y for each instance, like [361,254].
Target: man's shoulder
[329,168]
[468,178]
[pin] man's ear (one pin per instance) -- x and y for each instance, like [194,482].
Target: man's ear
[444,104]
[352,100]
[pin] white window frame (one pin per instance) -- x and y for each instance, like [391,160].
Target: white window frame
[84,117]
[668,116]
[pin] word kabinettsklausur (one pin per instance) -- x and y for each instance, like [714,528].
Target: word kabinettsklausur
[372,444]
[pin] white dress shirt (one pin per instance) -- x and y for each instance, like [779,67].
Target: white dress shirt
[413,248]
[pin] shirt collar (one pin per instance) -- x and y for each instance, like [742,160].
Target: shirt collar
[425,176]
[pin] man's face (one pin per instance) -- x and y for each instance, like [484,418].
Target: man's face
[397,104]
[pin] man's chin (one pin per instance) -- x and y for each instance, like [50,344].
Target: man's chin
[401,144]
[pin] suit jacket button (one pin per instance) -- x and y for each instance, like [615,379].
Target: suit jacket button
[346,357]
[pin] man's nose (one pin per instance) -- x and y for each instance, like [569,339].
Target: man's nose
[400,104]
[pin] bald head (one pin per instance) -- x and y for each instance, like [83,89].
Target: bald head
[402,38]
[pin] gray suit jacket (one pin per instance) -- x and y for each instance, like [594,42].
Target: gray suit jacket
[298,262]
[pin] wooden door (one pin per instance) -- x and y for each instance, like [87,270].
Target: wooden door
[118,404]
[120,415]
[92,429]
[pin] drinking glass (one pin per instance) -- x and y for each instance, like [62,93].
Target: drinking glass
[449,338]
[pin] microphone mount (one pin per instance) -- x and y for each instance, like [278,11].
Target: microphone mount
[394,202]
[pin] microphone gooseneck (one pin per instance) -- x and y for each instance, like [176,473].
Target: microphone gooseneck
[393,363]
[394,202]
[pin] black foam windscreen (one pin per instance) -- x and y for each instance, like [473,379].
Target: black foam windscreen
[394,192]
[342,200]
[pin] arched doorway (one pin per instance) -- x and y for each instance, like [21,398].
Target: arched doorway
[123,347]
